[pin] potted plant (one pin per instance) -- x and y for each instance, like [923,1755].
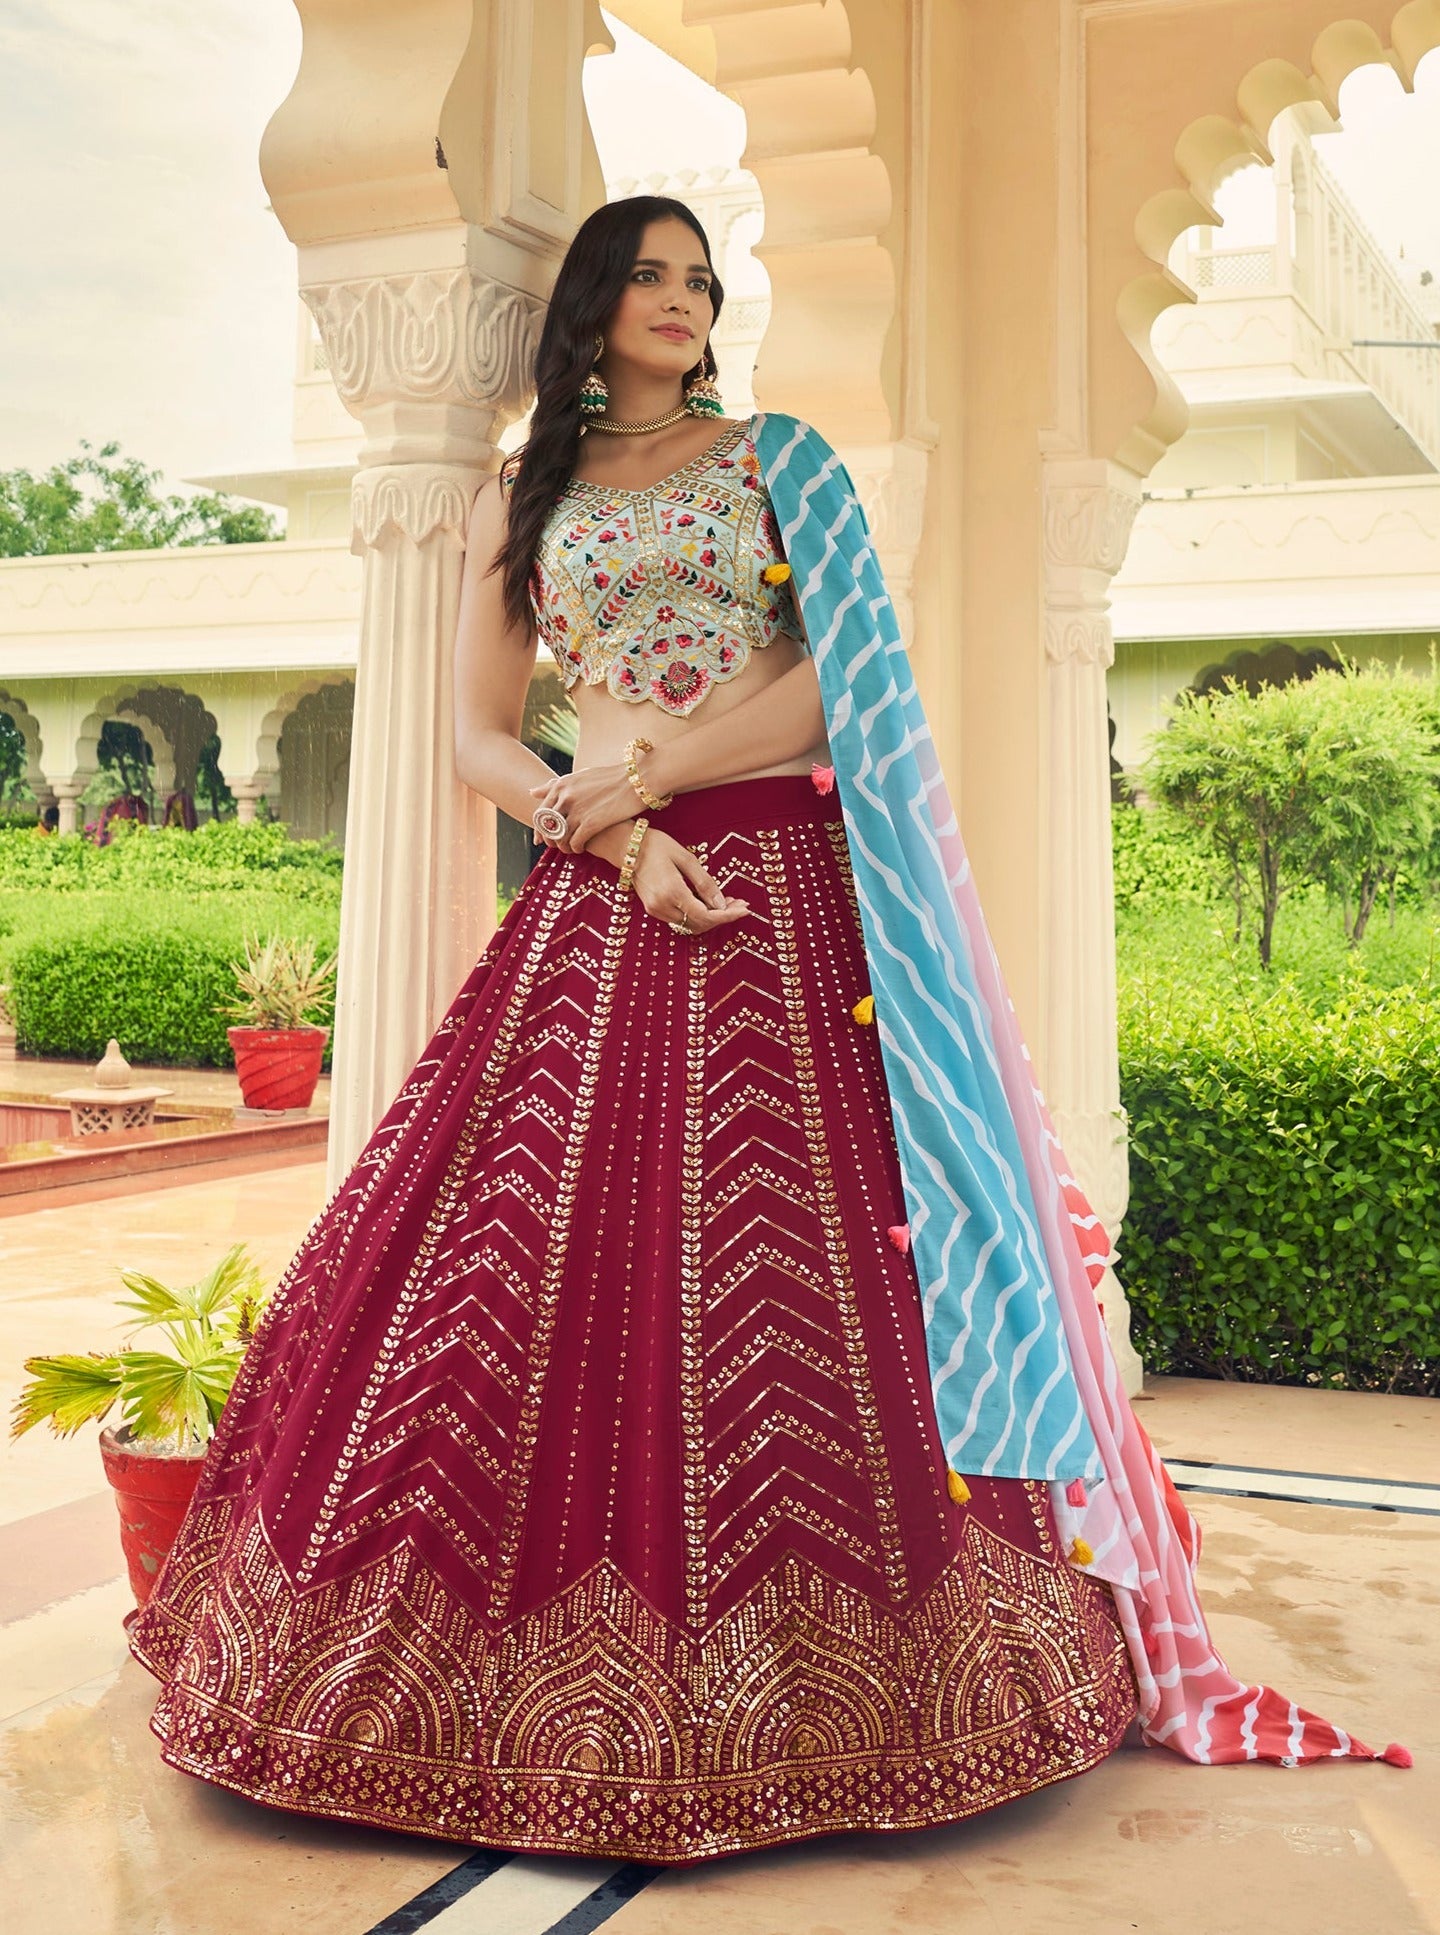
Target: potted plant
[170,1398]
[277,1052]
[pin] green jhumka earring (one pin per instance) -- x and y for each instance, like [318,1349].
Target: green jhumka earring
[594,396]
[702,397]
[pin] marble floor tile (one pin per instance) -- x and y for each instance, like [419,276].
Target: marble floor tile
[59,1276]
[1337,1606]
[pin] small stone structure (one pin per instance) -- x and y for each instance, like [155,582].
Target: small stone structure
[115,1102]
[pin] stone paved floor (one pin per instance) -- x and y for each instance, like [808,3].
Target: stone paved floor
[1337,1605]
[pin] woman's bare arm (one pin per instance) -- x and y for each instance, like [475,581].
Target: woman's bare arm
[775,724]
[494,662]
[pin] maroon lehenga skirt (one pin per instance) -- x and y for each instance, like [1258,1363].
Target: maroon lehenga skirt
[581,1490]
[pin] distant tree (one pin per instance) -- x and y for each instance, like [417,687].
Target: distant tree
[100,501]
[1334,780]
[1376,738]
[1233,764]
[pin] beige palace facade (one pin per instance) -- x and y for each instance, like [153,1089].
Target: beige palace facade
[969,206]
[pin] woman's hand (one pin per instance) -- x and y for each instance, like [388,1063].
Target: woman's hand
[591,800]
[672,884]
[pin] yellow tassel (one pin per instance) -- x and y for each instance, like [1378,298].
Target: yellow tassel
[1081,1553]
[864,1011]
[775,574]
[958,1489]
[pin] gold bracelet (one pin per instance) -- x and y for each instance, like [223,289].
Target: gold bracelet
[647,798]
[632,854]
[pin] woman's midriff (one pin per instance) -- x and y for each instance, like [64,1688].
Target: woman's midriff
[608,724]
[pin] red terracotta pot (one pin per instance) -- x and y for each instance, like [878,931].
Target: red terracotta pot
[151,1496]
[278,1067]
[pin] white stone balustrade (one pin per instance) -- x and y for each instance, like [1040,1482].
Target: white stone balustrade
[1322,301]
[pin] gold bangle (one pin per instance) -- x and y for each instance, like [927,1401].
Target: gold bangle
[632,854]
[646,797]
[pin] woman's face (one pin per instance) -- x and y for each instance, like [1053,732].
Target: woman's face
[662,321]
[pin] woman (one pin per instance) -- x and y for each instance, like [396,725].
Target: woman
[690,1428]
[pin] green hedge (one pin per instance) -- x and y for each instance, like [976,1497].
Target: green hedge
[220,857]
[1157,861]
[1284,1225]
[147,968]
[134,939]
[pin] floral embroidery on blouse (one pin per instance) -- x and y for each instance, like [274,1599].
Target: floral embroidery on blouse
[659,594]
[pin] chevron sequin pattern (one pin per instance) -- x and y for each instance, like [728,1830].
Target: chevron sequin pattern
[582,1489]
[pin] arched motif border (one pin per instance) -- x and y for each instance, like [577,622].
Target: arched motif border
[106,705]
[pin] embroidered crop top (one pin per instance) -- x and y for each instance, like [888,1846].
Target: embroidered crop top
[661,593]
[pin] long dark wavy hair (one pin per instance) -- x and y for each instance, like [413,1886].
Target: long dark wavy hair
[593,277]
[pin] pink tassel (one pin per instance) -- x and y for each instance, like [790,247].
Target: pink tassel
[1395,1756]
[1075,1493]
[899,1234]
[822,778]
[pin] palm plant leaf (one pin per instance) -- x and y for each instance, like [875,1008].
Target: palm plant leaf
[66,1392]
[177,1392]
[235,1278]
[156,1302]
[560,728]
[176,1397]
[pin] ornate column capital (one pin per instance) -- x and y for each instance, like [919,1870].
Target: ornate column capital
[249,789]
[410,500]
[1088,511]
[65,789]
[432,362]
[1090,507]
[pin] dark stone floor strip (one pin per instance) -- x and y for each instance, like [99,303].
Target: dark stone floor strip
[607,1899]
[444,1893]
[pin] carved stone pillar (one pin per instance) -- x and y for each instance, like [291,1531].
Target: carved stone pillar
[66,792]
[434,364]
[1089,507]
[249,789]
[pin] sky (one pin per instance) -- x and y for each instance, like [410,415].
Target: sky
[147,294]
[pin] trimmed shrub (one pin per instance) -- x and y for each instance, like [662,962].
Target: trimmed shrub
[1157,859]
[1284,1225]
[148,969]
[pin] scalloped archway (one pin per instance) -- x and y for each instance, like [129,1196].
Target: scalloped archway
[28,726]
[1212,147]
[829,245]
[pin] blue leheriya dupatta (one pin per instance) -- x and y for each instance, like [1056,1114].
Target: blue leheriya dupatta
[987,1220]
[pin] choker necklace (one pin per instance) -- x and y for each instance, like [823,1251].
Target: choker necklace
[638,429]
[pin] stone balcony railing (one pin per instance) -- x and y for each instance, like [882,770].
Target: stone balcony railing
[1355,319]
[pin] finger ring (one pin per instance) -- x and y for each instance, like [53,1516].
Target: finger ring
[549,822]
[681,926]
